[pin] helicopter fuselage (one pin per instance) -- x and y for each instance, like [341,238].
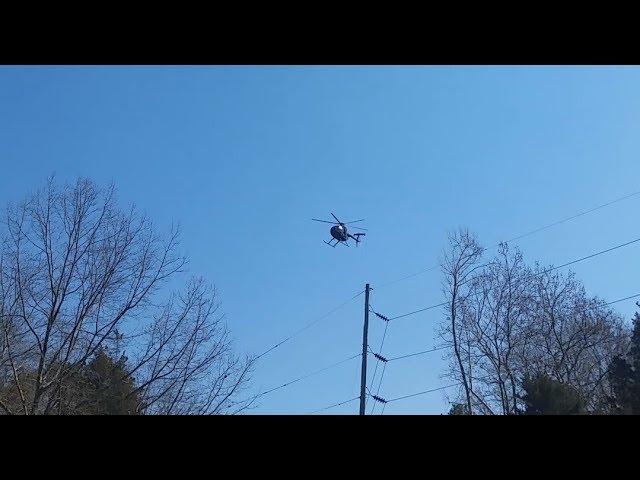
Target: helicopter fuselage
[340,233]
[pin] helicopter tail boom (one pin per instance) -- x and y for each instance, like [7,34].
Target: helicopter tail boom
[356,237]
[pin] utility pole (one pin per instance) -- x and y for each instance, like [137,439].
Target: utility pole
[365,332]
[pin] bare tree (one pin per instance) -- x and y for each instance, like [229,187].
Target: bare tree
[576,336]
[187,365]
[506,321]
[458,267]
[78,275]
[494,324]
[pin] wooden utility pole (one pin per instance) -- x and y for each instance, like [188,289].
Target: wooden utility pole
[365,332]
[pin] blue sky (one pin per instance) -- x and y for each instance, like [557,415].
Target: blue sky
[243,157]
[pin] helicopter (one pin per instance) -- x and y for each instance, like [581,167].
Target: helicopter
[340,233]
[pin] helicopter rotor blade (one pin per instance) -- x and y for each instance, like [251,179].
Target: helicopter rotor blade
[336,219]
[360,228]
[323,221]
[354,221]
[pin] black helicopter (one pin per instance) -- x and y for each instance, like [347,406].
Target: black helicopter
[340,233]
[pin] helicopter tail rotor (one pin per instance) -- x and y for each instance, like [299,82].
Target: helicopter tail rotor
[356,237]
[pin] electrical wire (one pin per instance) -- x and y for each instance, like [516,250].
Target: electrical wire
[417,353]
[444,347]
[373,379]
[589,256]
[334,405]
[422,393]
[622,299]
[308,375]
[442,304]
[384,368]
[306,327]
[535,274]
[399,358]
[409,276]
[573,216]
[418,311]
[384,336]
[532,232]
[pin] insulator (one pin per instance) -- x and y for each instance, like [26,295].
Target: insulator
[379,315]
[380,357]
[379,399]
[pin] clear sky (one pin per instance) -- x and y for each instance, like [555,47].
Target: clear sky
[243,157]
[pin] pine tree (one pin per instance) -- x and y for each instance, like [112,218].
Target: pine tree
[624,375]
[110,388]
[546,396]
[100,387]
[458,409]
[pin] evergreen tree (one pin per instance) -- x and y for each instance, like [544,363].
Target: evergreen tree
[546,396]
[100,387]
[624,375]
[458,409]
[109,387]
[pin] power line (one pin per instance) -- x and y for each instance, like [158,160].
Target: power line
[456,384]
[622,299]
[377,395]
[442,348]
[418,311]
[409,276]
[532,232]
[441,304]
[534,274]
[384,402]
[308,325]
[574,216]
[378,356]
[422,393]
[589,256]
[384,369]
[382,375]
[418,353]
[334,405]
[308,375]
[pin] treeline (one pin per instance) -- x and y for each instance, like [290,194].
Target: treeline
[528,340]
[87,323]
